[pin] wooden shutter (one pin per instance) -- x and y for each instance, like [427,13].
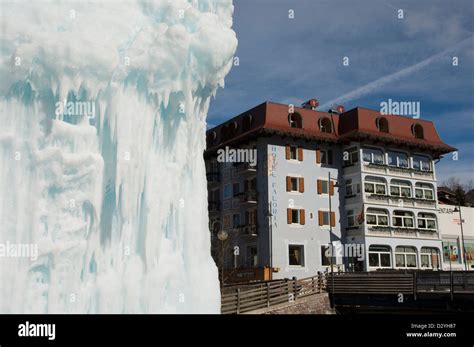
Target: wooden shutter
[320,217]
[318,156]
[329,156]
[287,151]
[300,153]
[331,188]
[288,183]
[302,221]
[320,187]
[333,219]
[301,184]
[288,215]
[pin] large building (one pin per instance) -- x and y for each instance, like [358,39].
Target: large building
[360,181]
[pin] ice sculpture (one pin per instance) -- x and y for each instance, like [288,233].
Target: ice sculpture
[102,131]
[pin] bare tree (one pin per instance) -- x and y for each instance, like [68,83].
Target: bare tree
[459,189]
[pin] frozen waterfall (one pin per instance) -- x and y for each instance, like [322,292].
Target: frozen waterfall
[103,199]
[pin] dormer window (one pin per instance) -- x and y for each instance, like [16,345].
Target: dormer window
[417,131]
[382,124]
[295,120]
[247,122]
[211,137]
[325,125]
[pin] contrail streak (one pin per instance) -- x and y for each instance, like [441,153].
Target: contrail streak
[368,88]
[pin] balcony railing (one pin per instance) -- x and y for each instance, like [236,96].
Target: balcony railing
[249,196]
[412,200]
[402,171]
[245,168]
[249,229]
[402,232]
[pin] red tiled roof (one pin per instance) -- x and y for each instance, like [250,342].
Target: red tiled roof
[356,124]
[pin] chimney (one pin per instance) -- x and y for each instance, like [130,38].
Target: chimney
[311,104]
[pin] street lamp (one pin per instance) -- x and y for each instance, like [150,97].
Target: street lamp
[222,235]
[463,249]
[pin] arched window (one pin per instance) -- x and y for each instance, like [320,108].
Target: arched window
[424,191]
[429,257]
[405,257]
[397,159]
[417,131]
[426,221]
[400,188]
[373,156]
[229,130]
[247,122]
[376,217]
[295,120]
[403,219]
[325,125]
[375,185]
[380,256]
[211,138]
[421,163]
[382,124]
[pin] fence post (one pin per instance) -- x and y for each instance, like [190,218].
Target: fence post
[320,282]
[313,282]
[295,289]
[238,300]
[268,294]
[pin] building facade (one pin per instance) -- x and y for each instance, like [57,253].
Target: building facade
[455,256]
[354,190]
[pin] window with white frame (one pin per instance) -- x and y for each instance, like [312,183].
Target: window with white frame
[429,258]
[372,155]
[295,216]
[351,156]
[405,257]
[324,187]
[400,188]
[296,255]
[403,219]
[424,191]
[351,218]
[293,152]
[326,217]
[375,185]
[397,159]
[377,217]
[421,163]
[326,255]
[426,221]
[352,188]
[380,256]
[294,184]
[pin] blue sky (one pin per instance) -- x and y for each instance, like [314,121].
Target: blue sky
[410,59]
